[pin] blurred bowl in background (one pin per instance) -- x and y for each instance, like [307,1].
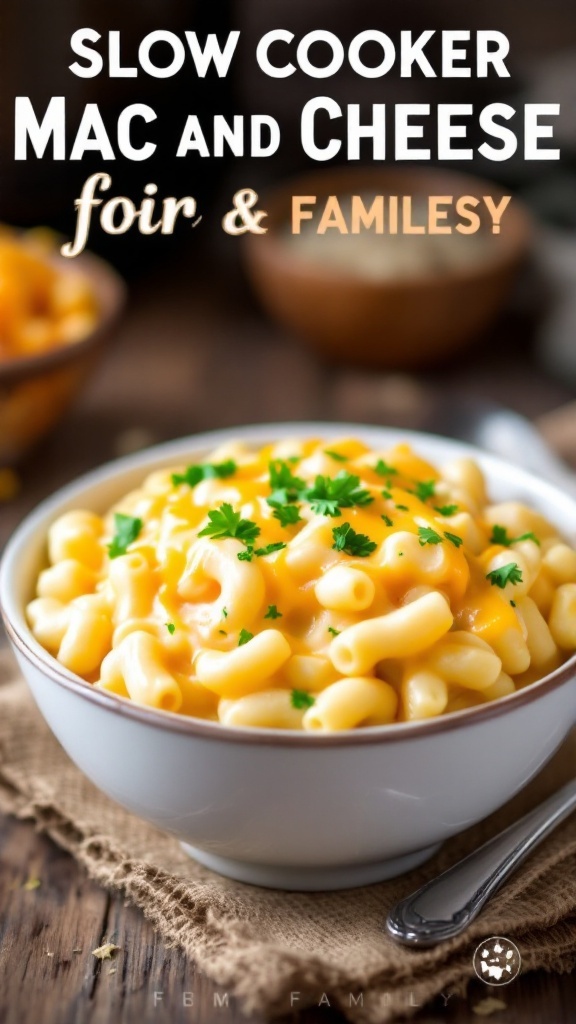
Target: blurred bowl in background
[397,301]
[37,389]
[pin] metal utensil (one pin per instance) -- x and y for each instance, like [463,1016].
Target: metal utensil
[503,432]
[404,402]
[446,906]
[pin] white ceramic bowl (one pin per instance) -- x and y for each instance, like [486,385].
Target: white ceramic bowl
[278,808]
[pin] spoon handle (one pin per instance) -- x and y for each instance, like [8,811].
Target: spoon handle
[446,906]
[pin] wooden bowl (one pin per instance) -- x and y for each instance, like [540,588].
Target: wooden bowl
[396,322]
[36,391]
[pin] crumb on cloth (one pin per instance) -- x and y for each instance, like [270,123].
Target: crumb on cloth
[486,1007]
[31,883]
[105,951]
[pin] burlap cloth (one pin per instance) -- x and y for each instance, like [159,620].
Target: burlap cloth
[262,944]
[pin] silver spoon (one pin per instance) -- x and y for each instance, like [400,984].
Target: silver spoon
[446,906]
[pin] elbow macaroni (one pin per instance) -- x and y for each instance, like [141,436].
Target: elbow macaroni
[311,586]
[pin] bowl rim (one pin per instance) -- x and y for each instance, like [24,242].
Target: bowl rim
[110,292]
[259,433]
[262,248]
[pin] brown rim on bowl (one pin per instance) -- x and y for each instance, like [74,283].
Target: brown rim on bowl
[380,734]
[110,293]
[514,243]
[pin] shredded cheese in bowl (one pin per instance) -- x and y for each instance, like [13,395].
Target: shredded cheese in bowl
[43,304]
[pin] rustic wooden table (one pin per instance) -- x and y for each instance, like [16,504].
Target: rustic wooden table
[190,356]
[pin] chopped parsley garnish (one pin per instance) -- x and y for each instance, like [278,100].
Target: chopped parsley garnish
[510,573]
[224,613]
[223,632]
[454,539]
[301,700]
[192,475]
[127,529]
[428,536]
[171,628]
[446,510]
[225,522]
[284,485]
[334,632]
[330,494]
[402,508]
[383,469]
[500,536]
[287,515]
[269,549]
[243,637]
[273,612]
[425,489]
[386,493]
[388,521]
[512,604]
[351,543]
[335,455]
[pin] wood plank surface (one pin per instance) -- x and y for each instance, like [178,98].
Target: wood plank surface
[48,973]
[192,356]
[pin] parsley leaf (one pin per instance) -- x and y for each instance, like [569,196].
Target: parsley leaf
[528,536]
[356,544]
[428,536]
[446,510]
[500,536]
[224,613]
[287,515]
[383,469]
[243,637]
[192,475]
[301,700]
[127,529]
[335,455]
[402,508]
[386,493]
[387,520]
[273,612]
[330,494]
[171,628]
[454,539]
[284,485]
[334,632]
[269,549]
[225,522]
[425,489]
[510,573]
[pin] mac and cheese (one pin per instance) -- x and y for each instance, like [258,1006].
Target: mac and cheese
[308,585]
[42,306]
